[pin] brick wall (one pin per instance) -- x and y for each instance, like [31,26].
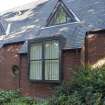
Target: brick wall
[95,48]
[71,63]
[9,56]
[71,59]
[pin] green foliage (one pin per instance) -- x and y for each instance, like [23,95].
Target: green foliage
[87,88]
[13,97]
[6,96]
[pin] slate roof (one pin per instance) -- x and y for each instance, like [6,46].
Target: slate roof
[30,24]
[3,26]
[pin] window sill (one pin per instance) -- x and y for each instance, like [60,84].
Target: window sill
[46,81]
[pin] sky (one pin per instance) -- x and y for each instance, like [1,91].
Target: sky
[9,4]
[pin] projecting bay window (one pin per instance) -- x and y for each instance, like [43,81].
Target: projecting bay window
[44,61]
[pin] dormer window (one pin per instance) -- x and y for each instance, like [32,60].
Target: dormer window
[61,15]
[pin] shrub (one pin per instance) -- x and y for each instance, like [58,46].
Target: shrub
[86,88]
[14,97]
[7,95]
[21,101]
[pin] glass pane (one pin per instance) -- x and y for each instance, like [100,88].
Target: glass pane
[52,50]
[36,51]
[36,70]
[52,70]
[61,16]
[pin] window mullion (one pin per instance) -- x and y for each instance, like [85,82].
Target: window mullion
[43,62]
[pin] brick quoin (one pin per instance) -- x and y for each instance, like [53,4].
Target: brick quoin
[95,47]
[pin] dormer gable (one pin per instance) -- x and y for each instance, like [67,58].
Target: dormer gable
[60,15]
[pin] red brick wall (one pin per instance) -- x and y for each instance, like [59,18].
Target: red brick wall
[29,88]
[95,48]
[71,62]
[9,56]
[71,59]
